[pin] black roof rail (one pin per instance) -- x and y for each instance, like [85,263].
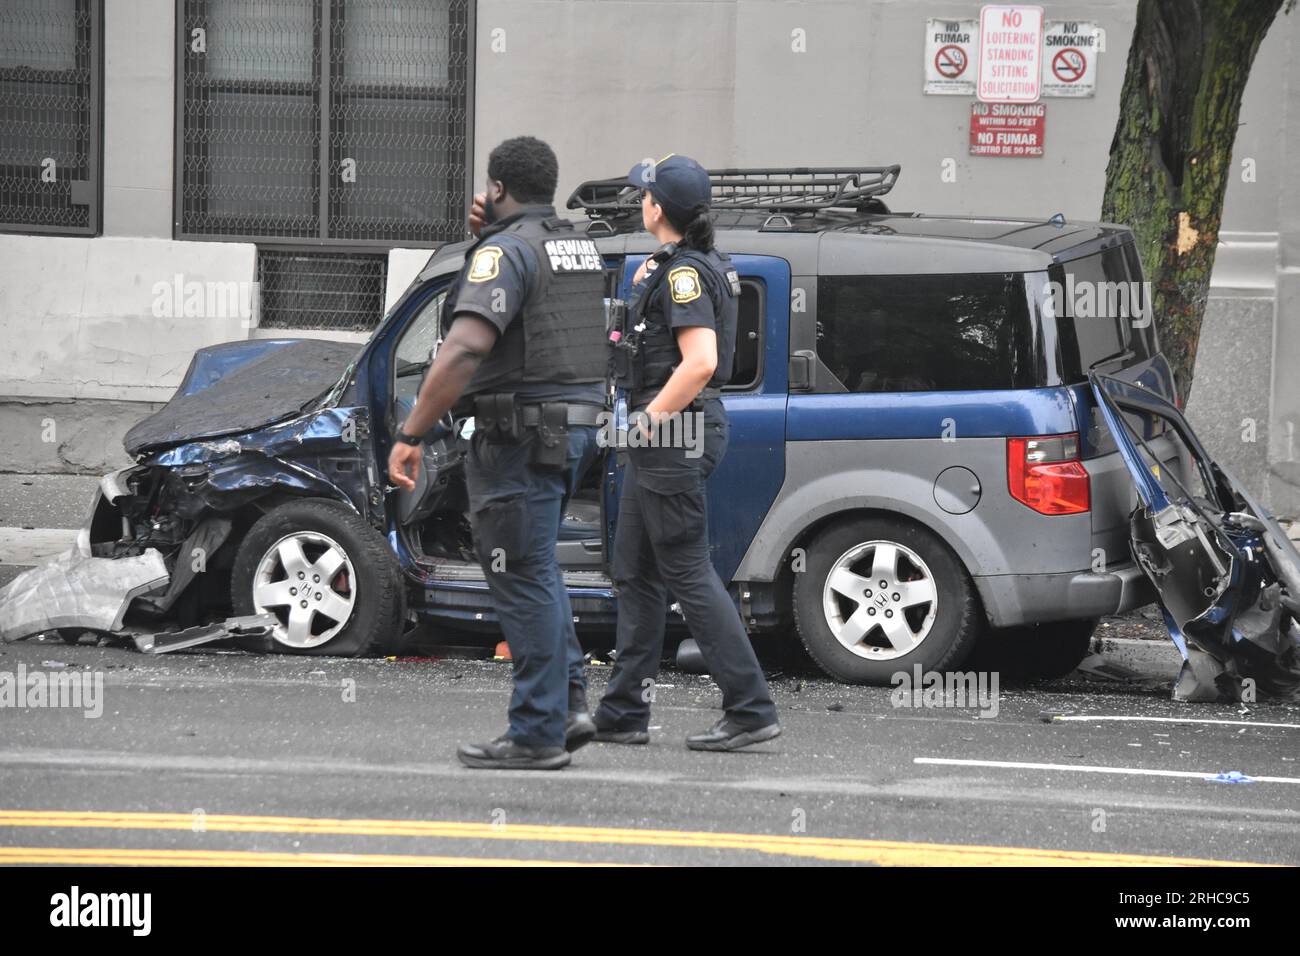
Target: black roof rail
[773,190]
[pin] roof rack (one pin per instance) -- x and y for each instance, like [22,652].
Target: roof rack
[792,189]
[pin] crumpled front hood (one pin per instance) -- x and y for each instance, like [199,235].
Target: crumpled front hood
[240,386]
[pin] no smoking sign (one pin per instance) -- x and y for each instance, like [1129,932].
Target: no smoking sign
[950,47]
[950,62]
[1070,49]
[1069,65]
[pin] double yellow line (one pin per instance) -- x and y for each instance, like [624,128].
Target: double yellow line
[881,852]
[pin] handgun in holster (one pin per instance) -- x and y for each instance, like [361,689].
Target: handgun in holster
[624,343]
[551,448]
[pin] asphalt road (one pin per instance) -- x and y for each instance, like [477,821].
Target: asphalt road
[213,739]
[211,757]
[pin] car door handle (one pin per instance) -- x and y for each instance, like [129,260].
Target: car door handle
[803,370]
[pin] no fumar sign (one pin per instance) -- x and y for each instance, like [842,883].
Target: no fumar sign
[1011,54]
[950,49]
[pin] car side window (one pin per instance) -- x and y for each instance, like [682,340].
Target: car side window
[1094,312]
[924,333]
[747,368]
[415,348]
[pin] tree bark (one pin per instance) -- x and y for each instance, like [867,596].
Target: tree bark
[1172,152]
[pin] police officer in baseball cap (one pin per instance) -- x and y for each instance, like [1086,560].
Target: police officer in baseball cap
[672,356]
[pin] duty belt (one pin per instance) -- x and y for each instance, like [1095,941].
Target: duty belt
[530,415]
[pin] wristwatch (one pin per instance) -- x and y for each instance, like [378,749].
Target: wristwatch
[406,439]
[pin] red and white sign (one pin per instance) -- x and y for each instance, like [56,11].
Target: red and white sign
[1007,129]
[1011,54]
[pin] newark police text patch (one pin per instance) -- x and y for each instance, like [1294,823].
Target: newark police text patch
[573,255]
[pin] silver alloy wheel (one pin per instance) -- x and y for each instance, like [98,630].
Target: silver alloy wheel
[880,600]
[307,581]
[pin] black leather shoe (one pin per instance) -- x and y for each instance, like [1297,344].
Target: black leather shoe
[579,729]
[505,754]
[622,736]
[725,735]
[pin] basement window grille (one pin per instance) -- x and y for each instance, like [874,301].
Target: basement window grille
[335,291]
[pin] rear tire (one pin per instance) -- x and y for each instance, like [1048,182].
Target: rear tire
[861,633]
[330,579]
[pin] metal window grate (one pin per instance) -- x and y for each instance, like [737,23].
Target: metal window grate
[338,291]
[398,116]
[251,122]
[49,115]
[337,120]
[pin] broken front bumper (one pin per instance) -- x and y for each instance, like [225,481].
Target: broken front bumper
[81,591]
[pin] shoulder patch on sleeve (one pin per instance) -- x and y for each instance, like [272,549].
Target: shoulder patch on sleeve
[685,283]
[486,264]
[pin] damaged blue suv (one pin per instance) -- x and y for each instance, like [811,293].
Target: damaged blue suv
[917,461]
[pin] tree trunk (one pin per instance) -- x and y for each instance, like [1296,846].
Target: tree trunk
[1172,152]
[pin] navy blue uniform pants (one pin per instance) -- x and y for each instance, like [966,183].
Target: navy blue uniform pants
[661,545]
[515,511]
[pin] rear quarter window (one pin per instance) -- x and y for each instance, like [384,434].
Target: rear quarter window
[924,333]
[1100,304]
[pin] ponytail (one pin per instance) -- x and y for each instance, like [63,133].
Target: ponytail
[698,233]
[695,224]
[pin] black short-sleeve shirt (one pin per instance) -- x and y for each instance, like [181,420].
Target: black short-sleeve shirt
[695,295]
[494,286]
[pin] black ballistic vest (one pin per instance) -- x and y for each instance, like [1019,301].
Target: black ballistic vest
[659,355]
[559,336]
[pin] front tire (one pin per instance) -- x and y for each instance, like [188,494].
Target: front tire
[881,595]
[327,576]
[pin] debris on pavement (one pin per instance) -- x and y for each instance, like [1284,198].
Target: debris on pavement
[78,590]
[162,642]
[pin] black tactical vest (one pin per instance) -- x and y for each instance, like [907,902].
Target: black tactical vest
[658,354]
[559,336]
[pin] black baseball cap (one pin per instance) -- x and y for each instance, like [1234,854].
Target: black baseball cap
[678,183]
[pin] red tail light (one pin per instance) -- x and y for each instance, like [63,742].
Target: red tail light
[1046,474]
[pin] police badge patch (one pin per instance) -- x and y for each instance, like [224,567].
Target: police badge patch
[486,264]
[685,283]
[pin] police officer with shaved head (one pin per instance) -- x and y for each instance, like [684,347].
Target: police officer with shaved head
[525,354]
[672,355]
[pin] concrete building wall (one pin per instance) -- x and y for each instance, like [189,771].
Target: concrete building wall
[139,112]
[611,82]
